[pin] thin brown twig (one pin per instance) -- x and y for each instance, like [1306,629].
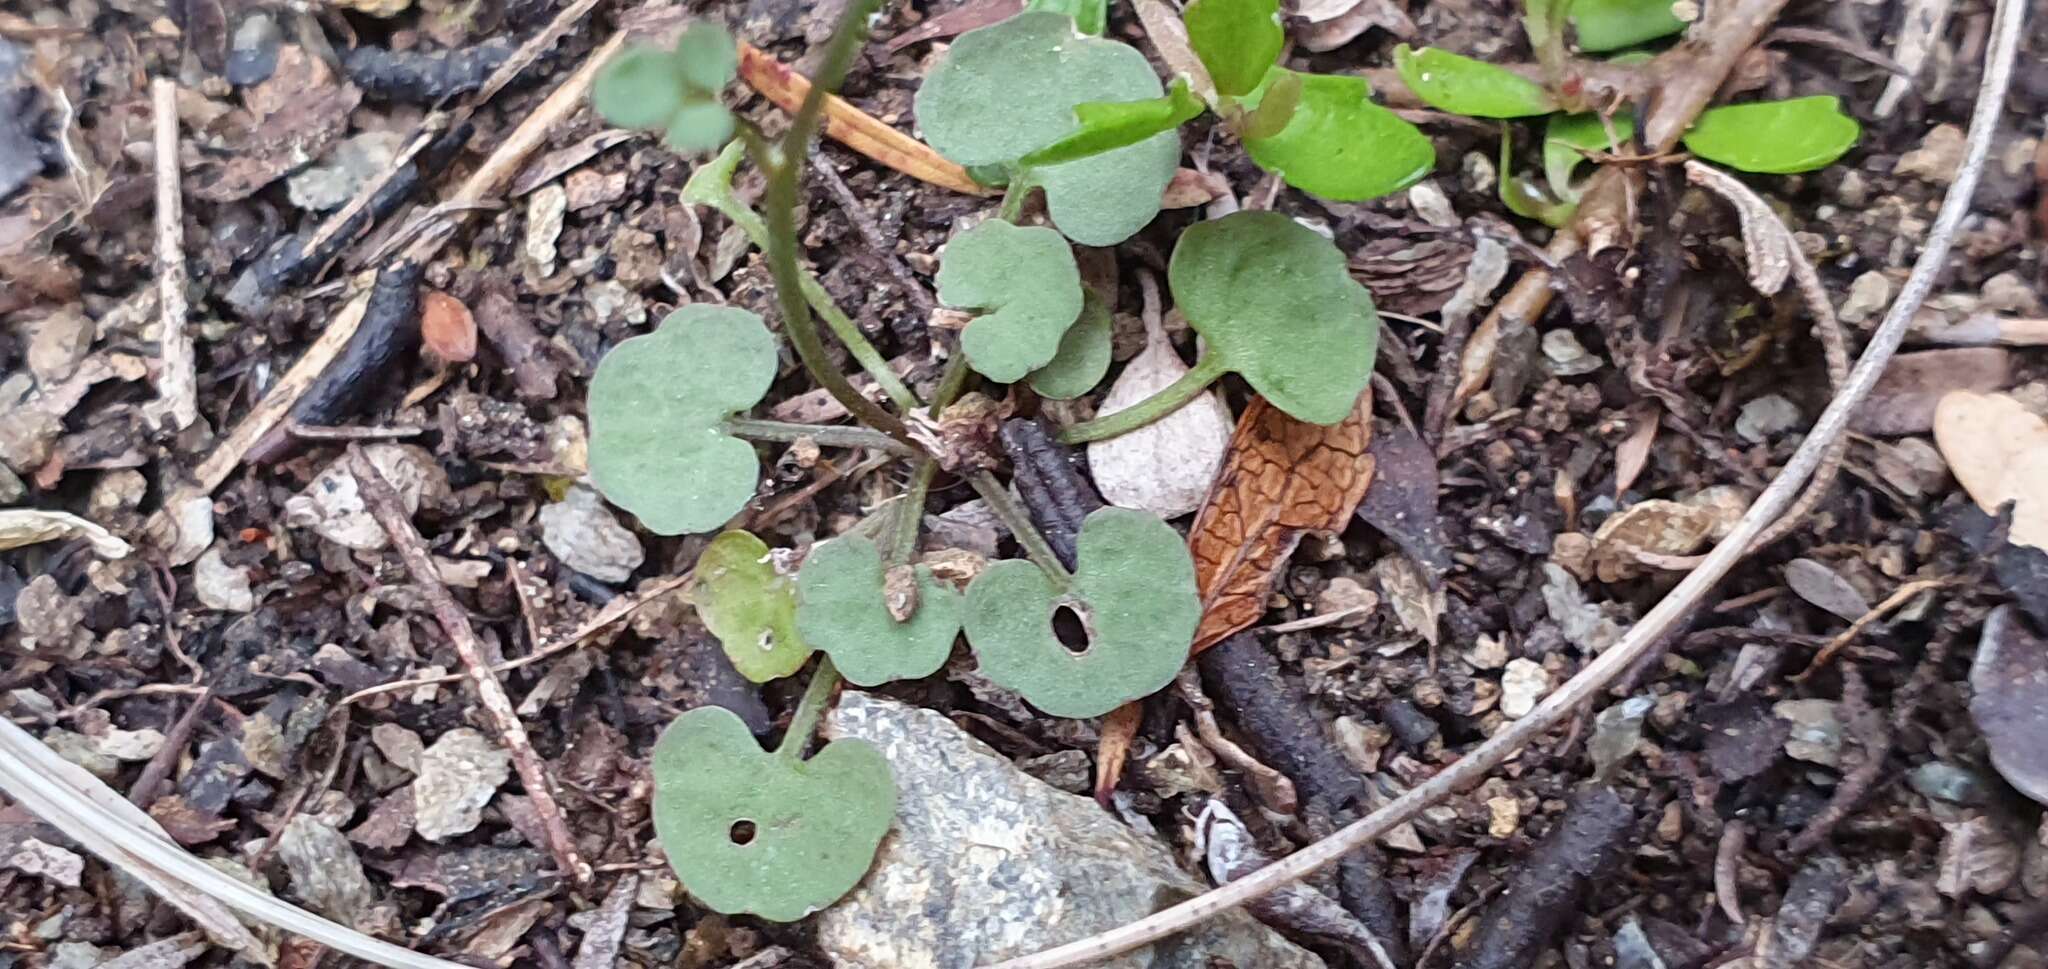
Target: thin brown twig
[382,500]
[177,402]
[1727,866]
[1646,636]
[870,233]
[1891,603]
[158,770]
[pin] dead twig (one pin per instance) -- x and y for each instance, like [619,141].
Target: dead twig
[1642,639]
[870,233]
[177,402]
[1727,868]
[382,500]
[1891,603]
[1686,78]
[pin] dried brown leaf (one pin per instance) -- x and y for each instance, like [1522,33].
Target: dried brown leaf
[1999,451]
[1633,453]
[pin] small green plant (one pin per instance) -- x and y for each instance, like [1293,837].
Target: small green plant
[750,607]
[878,624]
[1024,281]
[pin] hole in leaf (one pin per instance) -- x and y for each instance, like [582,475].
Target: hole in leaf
[742,832]
[1070,628]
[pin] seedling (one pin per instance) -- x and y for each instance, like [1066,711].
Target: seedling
[845,608]
[673,91]
[1083,357]
[1025,282]
[1133,590]
[750,607]
[769,834]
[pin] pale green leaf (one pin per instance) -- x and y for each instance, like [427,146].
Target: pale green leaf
[749,606]
[640,88]
[1341,146]
[841,610]
[707,57]
[1461,85]
[699,126]
[1083,357]
[1024,281]
[1237,40]
[1091,17]
[1775,137]
[1603,25]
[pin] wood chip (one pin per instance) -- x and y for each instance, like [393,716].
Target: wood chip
[1999,451]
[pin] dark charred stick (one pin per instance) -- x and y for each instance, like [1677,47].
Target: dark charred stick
[159,768]
[1055,492]
[290,262]
[390,331]
[1274,714]
[1547,890]
[424,78]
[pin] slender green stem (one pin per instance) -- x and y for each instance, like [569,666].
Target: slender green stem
[951,382]
[903,545]
[829,435]
[1013,196]
[1170,398]
[824,680]
[1018,522]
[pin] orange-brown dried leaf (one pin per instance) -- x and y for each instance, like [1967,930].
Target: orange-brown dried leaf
[1282,479]
[447,328]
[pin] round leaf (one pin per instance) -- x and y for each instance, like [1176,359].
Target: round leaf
[1134,589]
[657,408]
[1603,25]
[812,826]
[750,607]
[707,57]
[841,609]
[1569,137]
[1339,145]
[640,88]
[1278,303]
[1024,280]
[1083,356]
[1237,40]
[699,126]
[1775,137]
[1104,199]
[1465,86]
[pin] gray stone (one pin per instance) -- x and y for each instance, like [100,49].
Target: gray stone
[352,162]
[587,537]
[324,870]
[987,863]
[1766,417]
[220,585]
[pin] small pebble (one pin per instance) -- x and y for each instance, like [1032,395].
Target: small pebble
[1766,417]
[1524,682]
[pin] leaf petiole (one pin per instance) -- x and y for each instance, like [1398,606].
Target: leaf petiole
[1013,517]
[829,435]
[1014,195]
[1170,398]
[804,721]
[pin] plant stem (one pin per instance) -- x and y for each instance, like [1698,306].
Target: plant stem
[1014,195]
[829,435]
[1019,523]
[903,545]
[1170,398]
[804,721]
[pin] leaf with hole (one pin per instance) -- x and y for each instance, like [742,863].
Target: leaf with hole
[759,833]
[842,609]
[1474,88]
[1237,40]
[673,91]
[1109,125]
[1775,137]
[750,607]
[1024,281]
[1568,138]
[1277,304]
[1604,25]
[1338,144]
[1083,357]
[658,405]
[1009,89]
[1134,593]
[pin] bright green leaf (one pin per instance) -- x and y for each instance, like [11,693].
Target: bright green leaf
[1469,87]
[1277,304]
[1083,356]
[1775,137]
[707,57]
[1525,199]
[1277,102]
[750,607]
[811,827]
[699,126]
[1133,589]
[657,407]
[1569,137]
[640,88]
[1603,25]
[1342,146]
[841,609]
[1091,17]
[1109,125]
[1024,280]
[1009,89]
[1237,40]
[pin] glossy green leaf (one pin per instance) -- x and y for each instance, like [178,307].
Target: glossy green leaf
[1569,137]
[1525,199]
[1109,125]
[1133,589]
[841,609]
[1341,146]
[1083,357]
[1091,17]
[1461,85]
[1775,137]
[1009,89]
[1277,102]
[750,607]
[1024,281]
[1237,40]
[811,826]
[1277,304]
[657,407]
[1603,25]
[640,88]
[674,91]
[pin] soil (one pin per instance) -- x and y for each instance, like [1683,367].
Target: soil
[1722,795]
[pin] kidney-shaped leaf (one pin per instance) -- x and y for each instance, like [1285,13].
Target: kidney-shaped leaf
[841,609]
[1024,280]
[1009,89]
[1278,305]
[1603,25]
[1237,40]
[1775,137]
[658,404]
[1134,592]
[750,607]
[753,832]
[1083,356]
[1340,145]
[1461,85]
[674,91]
